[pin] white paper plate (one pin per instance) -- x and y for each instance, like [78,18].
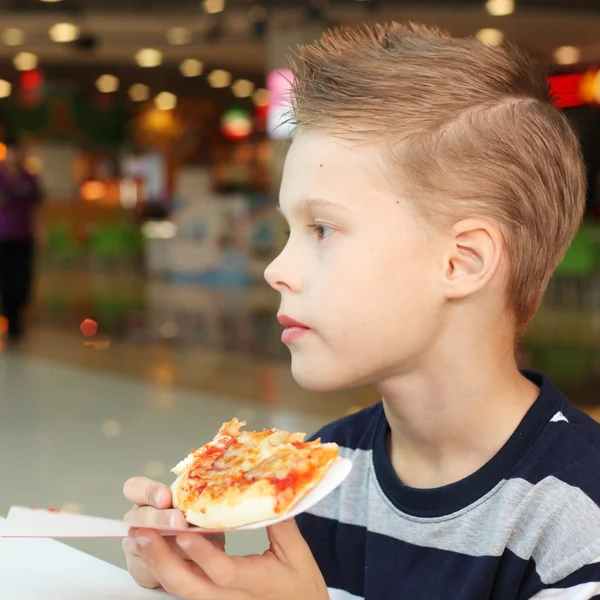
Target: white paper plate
[43,523]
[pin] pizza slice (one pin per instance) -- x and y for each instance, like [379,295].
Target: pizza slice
[243,477]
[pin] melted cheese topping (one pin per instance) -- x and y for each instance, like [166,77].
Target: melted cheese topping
[242,477]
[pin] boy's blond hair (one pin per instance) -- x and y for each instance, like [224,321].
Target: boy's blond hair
[467,129]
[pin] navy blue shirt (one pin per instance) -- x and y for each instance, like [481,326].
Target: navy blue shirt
[526,525]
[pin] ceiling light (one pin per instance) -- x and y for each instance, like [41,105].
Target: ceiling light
[191,67]
[500,8]
[257,13]
[51,1]
[178,36]
[64,32]
[489,36]
[25,61]
[166,101]
[139,92]
[242,88]
[149,57]
[5,89]
[219,78]
[213,6]
[261,97]
[13,36]
[107,84]
[567,55]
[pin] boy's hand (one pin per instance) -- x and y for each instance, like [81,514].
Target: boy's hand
[287,570]
[153,507]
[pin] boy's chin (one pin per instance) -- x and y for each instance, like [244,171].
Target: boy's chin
[318,379]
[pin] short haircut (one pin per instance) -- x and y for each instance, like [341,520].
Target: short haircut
[465,130]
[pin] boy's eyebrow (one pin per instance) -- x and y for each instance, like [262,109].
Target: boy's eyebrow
[308,203]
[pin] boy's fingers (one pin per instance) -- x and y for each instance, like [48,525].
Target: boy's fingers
[224,570]
[147,516]
[130,545]
[145,492]
[287,542]
[136,566]
[173,573]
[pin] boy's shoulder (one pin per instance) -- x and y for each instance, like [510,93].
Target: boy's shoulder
[567,446]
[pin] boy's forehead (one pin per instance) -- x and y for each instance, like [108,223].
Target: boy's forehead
[314,146]
[322,166]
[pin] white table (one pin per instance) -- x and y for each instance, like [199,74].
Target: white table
[44,569]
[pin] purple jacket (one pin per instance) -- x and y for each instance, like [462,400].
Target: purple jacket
[19,195]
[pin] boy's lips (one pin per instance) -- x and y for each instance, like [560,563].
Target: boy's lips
[293,331]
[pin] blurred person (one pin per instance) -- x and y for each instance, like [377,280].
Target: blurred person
[431,190]
[20,194]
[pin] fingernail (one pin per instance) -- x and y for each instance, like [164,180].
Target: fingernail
[184,543]
[173,521]
[143,541]
[158,499]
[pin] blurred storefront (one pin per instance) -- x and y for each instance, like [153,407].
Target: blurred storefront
[171,167]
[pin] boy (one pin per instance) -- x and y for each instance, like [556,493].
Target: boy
[431,191]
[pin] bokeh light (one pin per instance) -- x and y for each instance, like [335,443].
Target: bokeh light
[139,92]
[179,36]
[149,57]
[107,84]
[236,124]
[212,7]
[92,191]
[219,78]
[13,37]
[89,327]
[500,8]
[64,32]
[567,55]
[261,97]
[25,61]
[191,67]
[112,428]
[490,36]
[166,101]
[5,90]
[242,88]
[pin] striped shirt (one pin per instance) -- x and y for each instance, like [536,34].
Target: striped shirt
[524,526]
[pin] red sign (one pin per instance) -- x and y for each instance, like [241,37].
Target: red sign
[566,89]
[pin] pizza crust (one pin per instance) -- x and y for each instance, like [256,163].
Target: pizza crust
[257,503]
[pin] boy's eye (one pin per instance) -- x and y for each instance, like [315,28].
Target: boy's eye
[322,231]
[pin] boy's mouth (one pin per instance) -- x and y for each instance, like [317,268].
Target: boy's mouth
[293,331]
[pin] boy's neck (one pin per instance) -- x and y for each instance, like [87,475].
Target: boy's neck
[446,423]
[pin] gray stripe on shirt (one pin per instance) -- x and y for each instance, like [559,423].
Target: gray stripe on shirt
[553,523]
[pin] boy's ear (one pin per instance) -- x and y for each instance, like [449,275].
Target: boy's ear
[473,258]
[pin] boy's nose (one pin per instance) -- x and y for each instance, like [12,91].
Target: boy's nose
[274,277]
[283,274]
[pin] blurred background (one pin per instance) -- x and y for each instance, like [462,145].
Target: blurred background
[139,166]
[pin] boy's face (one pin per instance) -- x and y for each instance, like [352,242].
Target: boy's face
[359,269]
